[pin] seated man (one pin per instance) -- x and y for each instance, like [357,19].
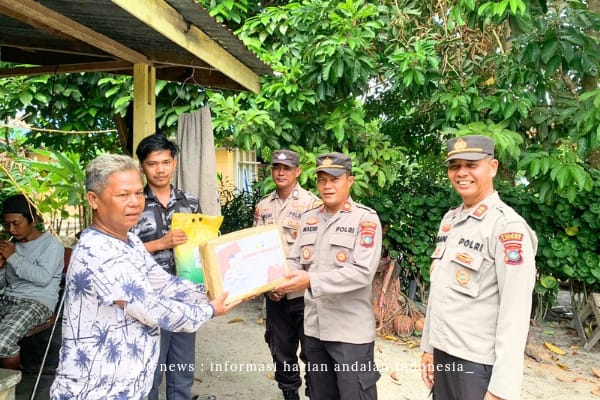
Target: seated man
[31,265]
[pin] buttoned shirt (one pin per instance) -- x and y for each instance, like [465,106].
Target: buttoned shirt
[108,352]
[341,253]
[155,221]
[482,278]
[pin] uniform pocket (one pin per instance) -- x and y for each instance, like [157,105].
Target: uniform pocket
[291,227]
[307,246]
[466,267]
[436,256]
[341,248]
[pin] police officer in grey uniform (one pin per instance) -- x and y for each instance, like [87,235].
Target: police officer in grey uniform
[482,278]
[285,313]
[335,259]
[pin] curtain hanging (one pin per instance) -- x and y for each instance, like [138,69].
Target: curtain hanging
[196,162]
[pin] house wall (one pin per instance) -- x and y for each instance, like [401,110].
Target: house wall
[239,169]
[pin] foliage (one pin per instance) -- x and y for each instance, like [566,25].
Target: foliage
[80,102]
[312,99]
[568,238]
[389,82]
[237,207]
[56,186]
[568,248]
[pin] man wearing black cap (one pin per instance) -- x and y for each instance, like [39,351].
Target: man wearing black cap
[335,259]
[285,313]
[482,278]
[31,265]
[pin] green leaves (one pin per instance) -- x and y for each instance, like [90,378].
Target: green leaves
[560,171]
[57,184]
[507,142]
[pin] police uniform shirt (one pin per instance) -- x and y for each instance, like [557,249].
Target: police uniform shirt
[287,213]
[341,253]
[482,278]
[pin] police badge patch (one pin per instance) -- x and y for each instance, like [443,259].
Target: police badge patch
[513,253]
[306,253]
[367,233]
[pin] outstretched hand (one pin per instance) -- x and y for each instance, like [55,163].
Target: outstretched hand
[297,280]
[219,304]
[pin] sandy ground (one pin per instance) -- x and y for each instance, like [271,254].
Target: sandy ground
[233,363]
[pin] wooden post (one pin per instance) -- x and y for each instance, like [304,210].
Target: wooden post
[144,102]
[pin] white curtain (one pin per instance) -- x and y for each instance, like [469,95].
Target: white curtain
[196,162]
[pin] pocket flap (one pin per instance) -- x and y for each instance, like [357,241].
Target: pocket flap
[467,259]
[307,239]
[439,251]
[343,240]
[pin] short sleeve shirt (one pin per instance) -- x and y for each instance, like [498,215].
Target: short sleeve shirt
[155,221]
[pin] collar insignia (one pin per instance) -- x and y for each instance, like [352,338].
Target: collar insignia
[480,210]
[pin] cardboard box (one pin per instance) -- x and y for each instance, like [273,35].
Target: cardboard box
[245,263]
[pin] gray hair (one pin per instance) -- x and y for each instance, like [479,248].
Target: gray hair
[102,167]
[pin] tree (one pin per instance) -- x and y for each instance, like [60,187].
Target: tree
[523,72]
[389,82]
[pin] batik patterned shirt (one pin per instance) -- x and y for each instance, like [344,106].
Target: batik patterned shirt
[108,352]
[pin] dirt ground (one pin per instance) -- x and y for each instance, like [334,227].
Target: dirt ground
[234,362]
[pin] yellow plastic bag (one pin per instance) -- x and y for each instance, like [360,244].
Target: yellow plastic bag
[199,228]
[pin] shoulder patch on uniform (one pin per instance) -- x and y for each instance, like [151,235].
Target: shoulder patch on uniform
[511,236]
[513,251]
[367,233]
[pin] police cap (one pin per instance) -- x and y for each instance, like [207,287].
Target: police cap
[470,147]
[334,164]
[286,157]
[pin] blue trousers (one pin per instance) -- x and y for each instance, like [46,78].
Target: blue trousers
[177,361]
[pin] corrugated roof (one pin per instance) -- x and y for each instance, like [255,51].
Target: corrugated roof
[27,40]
